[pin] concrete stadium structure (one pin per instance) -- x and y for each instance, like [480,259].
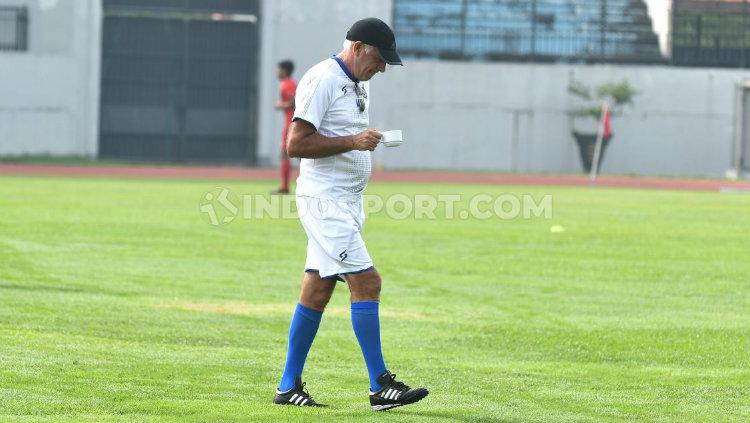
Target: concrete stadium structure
[49,94]
[508,117]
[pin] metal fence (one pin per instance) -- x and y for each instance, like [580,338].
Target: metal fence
[14,26]
[527,30]
[711,33]
[179,80]
[224,6]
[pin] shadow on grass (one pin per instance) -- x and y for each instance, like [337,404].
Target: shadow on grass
[39,288]
[65,289]
[452,416]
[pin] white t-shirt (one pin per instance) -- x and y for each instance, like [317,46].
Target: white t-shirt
[326,98]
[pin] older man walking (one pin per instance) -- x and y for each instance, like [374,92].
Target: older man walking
[331,134]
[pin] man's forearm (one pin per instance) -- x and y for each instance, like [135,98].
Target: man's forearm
[315,146]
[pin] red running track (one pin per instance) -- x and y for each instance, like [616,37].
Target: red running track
[240,173]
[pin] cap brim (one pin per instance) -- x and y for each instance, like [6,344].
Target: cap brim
[390,56]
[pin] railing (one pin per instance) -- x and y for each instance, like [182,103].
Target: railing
[227,6]
[711,33]
[528,30]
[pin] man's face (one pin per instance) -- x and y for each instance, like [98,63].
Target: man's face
[367,64]
[280,73]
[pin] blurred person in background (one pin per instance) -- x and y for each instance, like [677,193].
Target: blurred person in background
[287,89]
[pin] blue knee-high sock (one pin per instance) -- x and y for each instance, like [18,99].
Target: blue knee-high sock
[305,323]
[366,324]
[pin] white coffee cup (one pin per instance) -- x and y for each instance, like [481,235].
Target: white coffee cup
[392,138]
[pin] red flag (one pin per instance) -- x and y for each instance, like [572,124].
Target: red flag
[607,131]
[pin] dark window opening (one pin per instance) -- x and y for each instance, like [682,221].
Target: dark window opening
[14,26]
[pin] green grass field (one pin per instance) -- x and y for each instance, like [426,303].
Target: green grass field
[119,302]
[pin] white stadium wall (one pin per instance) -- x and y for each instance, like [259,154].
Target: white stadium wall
[481,116]
[49,94]
[514,117]
[504,116]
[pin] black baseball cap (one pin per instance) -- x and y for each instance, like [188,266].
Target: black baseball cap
[376,33]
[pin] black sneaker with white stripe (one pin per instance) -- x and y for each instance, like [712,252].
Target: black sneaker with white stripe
[393,393]
[296,396]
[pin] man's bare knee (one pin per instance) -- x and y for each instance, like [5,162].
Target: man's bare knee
[364,286]
[316,292]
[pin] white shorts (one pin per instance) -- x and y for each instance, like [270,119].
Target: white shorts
[334,237]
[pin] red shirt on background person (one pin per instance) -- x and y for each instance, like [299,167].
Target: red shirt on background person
[287,89]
